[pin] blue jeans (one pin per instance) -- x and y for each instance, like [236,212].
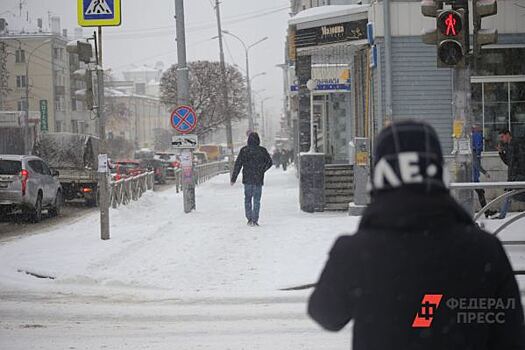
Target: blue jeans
[504,208]
[252,193]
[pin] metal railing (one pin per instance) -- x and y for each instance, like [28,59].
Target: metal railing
[512,189]
[176,179]
[123,191]
[204,172]
[201,173]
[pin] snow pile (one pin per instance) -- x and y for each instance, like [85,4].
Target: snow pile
[156,248]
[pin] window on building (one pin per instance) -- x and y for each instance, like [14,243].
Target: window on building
[60,103]
[21,81]
[20,56]
[498,106]
[501,61]
[21,105]
[58,126]
[55,53]
[517,108]
[74,126]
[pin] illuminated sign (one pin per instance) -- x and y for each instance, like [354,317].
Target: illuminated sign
[450,23]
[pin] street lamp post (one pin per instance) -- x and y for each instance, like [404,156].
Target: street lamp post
[263,125]
[248,83]
[27,135]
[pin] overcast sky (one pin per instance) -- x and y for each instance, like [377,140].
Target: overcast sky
[147,34]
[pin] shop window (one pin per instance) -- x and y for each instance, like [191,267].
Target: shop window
[498,106]
[517,108]
[504,61]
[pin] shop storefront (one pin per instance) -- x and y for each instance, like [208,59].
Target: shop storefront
[498,93]
[324,46]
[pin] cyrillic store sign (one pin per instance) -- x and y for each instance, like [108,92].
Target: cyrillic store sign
[333,33]
[329,78]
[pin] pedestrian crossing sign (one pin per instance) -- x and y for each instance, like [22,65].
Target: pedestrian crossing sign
[95,13]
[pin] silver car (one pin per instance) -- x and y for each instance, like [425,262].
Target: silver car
[27,184]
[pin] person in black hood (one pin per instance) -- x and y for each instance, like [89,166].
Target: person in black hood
[419,273]
[254,161]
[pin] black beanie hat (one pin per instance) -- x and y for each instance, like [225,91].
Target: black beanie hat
[408,154]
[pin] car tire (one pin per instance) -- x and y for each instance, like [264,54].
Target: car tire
[35,214]
[57,206]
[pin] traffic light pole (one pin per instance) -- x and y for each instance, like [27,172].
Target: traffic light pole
[462,151]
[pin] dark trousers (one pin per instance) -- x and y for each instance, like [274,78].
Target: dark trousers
[252,201]
[481,196]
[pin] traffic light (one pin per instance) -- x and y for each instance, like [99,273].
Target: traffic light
[82,49]
[480,9]
[452,38]
[87,76]
[429,8]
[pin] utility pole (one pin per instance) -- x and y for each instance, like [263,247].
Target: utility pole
[225,109]
[251,124]
[462,151]
[263,121]
[183,95]
[247,48]
[103,176]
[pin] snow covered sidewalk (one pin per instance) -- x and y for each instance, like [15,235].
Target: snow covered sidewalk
[158,251]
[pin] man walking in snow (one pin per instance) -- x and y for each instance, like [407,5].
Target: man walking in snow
[254,161]
[419,273]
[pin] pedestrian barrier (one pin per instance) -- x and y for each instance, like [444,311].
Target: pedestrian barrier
[123,191]
[511,189]
[176,179]
[204,172]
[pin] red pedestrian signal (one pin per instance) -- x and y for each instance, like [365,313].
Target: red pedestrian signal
[452,32]
[450,23]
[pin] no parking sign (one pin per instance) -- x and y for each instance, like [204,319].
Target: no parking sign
[184,119]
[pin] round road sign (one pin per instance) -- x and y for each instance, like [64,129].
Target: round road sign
[184,119]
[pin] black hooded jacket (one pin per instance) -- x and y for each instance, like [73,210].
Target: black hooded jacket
[513,155]
[410,244]
[254,161]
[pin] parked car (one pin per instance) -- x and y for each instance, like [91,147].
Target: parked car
[75,156]
[199,158]
[171,162]
[27,184]
[122,169]
[157,166]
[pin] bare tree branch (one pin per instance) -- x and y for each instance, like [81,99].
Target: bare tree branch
[205,92]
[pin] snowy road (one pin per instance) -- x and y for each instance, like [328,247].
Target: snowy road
[15,225]
[64,323]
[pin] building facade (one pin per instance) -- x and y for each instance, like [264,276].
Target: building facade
[415,87]
[40,72]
